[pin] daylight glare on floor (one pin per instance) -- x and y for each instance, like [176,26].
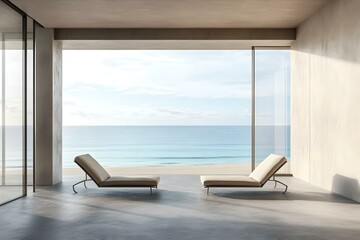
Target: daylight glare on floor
[180,209]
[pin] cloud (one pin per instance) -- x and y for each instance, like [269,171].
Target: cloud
[133,115]
[185,112]
[148,90]
[155,73]
[84,114]
[173,112]
[155,87]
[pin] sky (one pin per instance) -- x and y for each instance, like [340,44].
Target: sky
[162,87]
[13,84]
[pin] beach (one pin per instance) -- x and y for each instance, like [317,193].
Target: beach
[14,177]
[241,168]
[178,169]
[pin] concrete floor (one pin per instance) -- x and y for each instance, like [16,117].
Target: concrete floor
[180,209]
[7,193]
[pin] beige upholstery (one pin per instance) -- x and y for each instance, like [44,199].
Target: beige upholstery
[267,168]
[229,180]
[92,168]
[257,178]
[103,179]
[129,181]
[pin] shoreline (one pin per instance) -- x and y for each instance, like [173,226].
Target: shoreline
[198,169]
[241,168]
[15,175]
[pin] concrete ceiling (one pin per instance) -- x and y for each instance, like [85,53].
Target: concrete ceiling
[171,39]
[170,13]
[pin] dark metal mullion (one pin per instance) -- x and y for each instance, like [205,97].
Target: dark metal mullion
[12,200]
[253,108]
[14,7]
[3,111]
[34,107]
[25,104]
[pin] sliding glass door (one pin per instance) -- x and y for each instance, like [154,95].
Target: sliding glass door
[12,180]
[272,102]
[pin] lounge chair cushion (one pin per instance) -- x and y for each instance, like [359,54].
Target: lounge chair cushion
[229,180]
[131,181]
[267,168]
[92,168]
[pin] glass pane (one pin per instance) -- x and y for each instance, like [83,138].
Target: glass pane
[272,102]
[165,108]
[11,51]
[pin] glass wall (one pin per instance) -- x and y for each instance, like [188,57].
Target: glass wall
[12,104]
[272,102]
[158,107]
[195,105]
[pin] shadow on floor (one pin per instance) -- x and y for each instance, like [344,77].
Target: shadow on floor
[194,194]
[289,196]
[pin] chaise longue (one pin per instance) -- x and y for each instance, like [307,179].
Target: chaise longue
[103,179]
[262,174]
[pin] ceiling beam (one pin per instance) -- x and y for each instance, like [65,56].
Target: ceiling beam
[175,34]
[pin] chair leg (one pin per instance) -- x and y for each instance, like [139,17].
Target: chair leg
[286,187]
[85,181]
[73,187]
[150,190]
[207,190]
[277,181]
[82,181]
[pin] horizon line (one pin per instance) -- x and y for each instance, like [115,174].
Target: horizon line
[216,125]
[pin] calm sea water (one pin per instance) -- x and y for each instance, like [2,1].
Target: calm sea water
[160,145]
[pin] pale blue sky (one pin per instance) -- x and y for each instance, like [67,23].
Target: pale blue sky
[142,87]
[13,86]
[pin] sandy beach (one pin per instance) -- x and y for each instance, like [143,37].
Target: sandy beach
[175,169]
[15,176]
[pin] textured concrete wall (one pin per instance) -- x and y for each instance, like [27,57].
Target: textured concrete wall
[43,145]
[57,111]
[326,97]
[48,108]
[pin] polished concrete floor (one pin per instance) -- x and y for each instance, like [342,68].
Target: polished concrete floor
[7,193]
[180,209]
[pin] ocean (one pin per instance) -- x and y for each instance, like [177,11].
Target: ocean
[162,145]
[116,146]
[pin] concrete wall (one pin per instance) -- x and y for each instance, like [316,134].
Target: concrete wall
[57,112]
[48,108]
[326,99]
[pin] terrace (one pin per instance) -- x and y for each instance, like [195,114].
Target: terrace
[293,67]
